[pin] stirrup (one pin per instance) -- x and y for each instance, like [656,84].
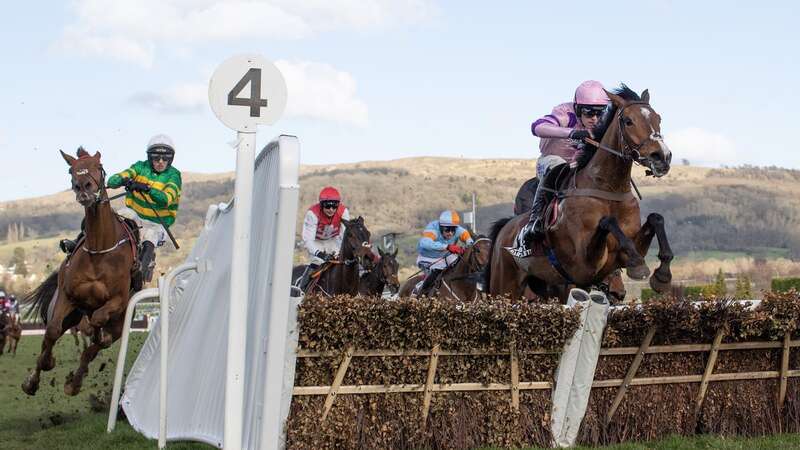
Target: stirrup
[67,246]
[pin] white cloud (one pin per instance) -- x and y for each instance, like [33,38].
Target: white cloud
[315,91]
[132,31]
[180,99]
[701,147]
[320,91]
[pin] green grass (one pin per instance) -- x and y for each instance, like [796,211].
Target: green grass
[52,420]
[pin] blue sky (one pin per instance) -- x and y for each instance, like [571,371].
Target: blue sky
[379,79]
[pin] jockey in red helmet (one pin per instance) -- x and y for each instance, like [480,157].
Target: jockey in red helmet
[323,230]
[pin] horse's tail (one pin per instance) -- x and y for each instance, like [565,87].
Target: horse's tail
[39,299]
[493,233]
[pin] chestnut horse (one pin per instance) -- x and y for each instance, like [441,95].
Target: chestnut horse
[340,276]
[94,281]
[459,281]
[383,274]
[13,332]
[597,229]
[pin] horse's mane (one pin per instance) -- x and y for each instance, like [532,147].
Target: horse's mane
[494,231]
[605,121]
[82,153]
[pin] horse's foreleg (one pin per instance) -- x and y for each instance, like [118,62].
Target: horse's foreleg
[74,381]
[632,260]
[112,310]
[654,227]
[55,328]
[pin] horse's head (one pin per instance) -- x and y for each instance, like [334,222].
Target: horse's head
[389,267]
[640,132]
[480,253]
[88,176]
[357,237]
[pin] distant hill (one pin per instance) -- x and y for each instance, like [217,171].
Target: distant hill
[747,210]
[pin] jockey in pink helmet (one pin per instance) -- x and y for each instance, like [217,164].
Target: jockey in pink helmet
[559,134]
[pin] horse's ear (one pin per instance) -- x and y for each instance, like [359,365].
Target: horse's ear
[380,252]
[346,222]
[394,253]
[360,220]
[69,159]
[81,152]
[646,96]
[96,156]
[618,101]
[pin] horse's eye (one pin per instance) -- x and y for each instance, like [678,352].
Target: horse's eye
[627,121]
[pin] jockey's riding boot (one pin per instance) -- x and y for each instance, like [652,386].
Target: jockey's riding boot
[147,260]
[535,229]
[429,282]
[68,246]
[306,278]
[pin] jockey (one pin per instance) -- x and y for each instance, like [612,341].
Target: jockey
[323,230]
[559,134]
[438,247]
[154,191]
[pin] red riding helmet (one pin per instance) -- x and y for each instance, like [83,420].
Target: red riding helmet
[329,193]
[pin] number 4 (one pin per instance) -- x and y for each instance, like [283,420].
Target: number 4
[255,102]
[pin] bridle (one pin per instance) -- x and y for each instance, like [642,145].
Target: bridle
[630,150]
[99,196]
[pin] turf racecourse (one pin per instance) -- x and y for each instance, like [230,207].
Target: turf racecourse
[51,420]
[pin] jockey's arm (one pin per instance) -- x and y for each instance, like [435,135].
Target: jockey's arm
[165,194]
[464,236]
[429,241]
[309,234]
[118,179]
[551,126]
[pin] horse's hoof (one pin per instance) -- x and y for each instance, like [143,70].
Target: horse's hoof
[30,386]
[639,272]
[660,283]
[105,338]
[71,390]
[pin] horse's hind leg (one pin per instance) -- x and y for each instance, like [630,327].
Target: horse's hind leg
[62,315]
[632,260]
[654,227]
[74,381]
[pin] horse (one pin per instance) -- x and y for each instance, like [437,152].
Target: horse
[383,274]
[95,281]
[341,276]
[13,332]
[460,280]
[596,228]
[5,319]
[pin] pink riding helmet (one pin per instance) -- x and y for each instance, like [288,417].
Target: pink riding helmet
[591,93]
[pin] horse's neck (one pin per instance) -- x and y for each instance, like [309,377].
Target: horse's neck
[101,227]
[606,171]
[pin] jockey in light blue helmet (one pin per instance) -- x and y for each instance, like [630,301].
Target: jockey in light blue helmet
[438,247]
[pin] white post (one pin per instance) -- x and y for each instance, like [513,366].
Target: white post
[474,216]
[163,319]
[240,283]
[123,350]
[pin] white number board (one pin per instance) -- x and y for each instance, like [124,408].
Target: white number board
[246,91]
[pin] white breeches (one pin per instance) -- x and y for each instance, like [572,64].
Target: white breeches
[148,231]
[427,263]
[329,246]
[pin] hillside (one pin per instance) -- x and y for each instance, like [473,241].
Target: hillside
[709,212]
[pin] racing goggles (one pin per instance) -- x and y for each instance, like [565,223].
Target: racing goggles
[448,229]
[329,204]
[591,110]
[165,158]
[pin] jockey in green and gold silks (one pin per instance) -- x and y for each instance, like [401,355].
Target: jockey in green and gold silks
[154,192]
[161,199]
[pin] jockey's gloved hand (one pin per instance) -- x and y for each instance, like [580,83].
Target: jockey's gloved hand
[455,248]
[323,255]
[141,187]
[126,182]
[579,135]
